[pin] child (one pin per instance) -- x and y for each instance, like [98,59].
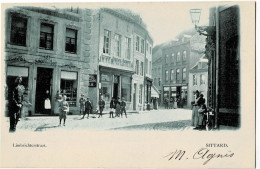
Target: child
[64,109]
[123,105]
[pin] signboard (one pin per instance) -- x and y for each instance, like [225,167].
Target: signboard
[92,80]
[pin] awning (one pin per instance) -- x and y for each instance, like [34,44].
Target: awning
[154,93]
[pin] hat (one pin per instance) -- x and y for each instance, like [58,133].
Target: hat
[82,94]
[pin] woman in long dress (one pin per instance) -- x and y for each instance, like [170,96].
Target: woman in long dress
[195,115]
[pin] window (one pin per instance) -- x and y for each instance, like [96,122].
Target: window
[106,87]
[137,43]
[166,59]
[68,86]
[18,31]
[141,94]
[184,57]
[202,79]
[118,45]
[172,74]
[137,67]
[46,36]
[150,68]
[184,74]
[71,40]
[106,45]
[172,58]
[128,48]
[142,46]
[178,57]
[12,73]
[166,75]
[126,88]
[142,69]
[194,80]
[178,74]
[150,50]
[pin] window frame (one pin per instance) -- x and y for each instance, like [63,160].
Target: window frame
[13,34]
[76,39]
[52,36]
[107,42]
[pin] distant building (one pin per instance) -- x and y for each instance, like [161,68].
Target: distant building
[198,79]
[177,59]
[50,49]
[157,76]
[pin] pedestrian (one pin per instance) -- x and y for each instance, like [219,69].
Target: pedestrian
[166,102]
[122,106]
[118,107]
[195,116]
[101,104]
[88,108]
[175,103]
[47,102]
[171,103]
[201,113]
[64,109]
[58,99]
[112,108]
[16,104]
[82,101]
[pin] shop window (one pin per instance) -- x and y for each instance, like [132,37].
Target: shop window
[18,31]
[118,45]
[12,73]
[126,88]
[68,86]
[71,40]
[106,87]
[106,45]
[46,36]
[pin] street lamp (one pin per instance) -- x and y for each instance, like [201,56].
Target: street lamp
[202,30]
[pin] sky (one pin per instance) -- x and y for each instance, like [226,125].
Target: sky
[164,20]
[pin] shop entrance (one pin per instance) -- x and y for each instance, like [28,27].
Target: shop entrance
[43,89]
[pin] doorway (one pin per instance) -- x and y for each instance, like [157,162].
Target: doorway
[43,90]
[116,85]
[134,97]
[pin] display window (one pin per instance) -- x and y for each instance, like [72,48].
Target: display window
[106,87]
[126,88]
[68,86]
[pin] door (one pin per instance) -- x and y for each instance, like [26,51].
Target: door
[134,105]
[43,90]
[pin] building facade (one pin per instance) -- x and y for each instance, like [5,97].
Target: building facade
[198,80]
[157,77]
[223,52]
[177,59]
[123,45]
[50,49]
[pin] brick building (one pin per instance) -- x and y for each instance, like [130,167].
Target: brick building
[50,49]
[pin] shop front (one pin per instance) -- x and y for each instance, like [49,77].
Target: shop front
[176,92]
[116,84]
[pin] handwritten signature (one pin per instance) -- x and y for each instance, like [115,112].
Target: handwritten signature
[202,154]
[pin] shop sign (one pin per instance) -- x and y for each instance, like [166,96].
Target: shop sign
[92,80]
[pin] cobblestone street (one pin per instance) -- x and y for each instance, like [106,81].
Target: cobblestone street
[173,119]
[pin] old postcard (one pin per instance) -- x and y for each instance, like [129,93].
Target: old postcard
[128,85]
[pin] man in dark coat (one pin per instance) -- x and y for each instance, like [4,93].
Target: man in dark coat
[101,104]
[88,108]
[16,103]
[123,105]
[112,106]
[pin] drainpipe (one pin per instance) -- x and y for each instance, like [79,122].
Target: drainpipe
[98,71]
[217,69]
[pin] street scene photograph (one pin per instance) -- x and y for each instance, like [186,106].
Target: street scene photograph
[73,67]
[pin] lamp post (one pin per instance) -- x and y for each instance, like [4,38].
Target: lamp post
[211,52]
